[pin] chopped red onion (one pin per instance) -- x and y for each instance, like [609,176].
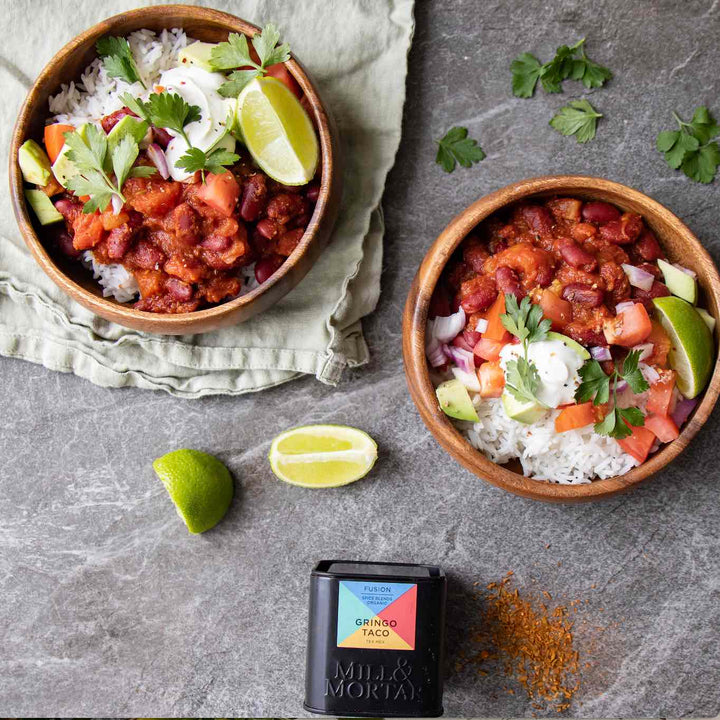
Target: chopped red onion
[157,156]
[620,385]
[650,374]
[435,353]
[687,271]
[446,328]
[600,353]
[682,411]
[638,277]
[481,325]
[464,359]
[117,204]
[468,379]
[623,306]
[646,350]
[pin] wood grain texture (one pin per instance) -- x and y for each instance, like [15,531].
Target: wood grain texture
[680,245]
[201,24]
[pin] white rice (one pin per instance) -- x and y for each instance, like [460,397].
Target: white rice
[568,458]
[97,95]
[114,279]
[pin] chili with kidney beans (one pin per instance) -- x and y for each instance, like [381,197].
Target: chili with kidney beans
[185,248]
[565,253]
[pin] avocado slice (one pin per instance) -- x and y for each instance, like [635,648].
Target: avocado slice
[198,54]
[569,342]
[63,168]
[679,283]
[524,412]
[128,125]
[707,318]
[43,207]
[34,163]
[455,401]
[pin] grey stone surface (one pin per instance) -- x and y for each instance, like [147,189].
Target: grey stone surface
[110,608]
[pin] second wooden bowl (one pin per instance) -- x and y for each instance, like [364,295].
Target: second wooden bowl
[199,24]
[678,242]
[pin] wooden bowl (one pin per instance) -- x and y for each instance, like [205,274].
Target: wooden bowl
[70,276]
[679,243]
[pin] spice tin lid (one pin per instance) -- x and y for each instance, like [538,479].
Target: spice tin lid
[375,639]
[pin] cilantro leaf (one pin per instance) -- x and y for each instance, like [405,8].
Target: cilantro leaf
[610,426]
[214,161]
[118,59]
[632,416]
[142,171]
[140,108]
[692,148]
[579,118]
[525,70]
[170,111]
[522,380]
[631,373]
[235,55]
[456,147]
[123,157]
[524,321]
[595,384]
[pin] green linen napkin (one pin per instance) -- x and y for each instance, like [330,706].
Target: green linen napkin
[356,50]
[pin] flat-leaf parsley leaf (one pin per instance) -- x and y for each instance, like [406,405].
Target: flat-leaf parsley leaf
[457,147]
[213,161]
[578,118]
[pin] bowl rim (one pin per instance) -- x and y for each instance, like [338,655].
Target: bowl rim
[415,319]
[123,313]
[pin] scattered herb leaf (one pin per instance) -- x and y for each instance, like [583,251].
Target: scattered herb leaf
[235,54]
[694,147]
[578,118]
[596,386]
[456,147]
[213,161]
[118,59]
[526,69]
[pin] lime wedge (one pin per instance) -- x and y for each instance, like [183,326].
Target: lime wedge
[277,131]
[321,456]
[199,484]
[692,353]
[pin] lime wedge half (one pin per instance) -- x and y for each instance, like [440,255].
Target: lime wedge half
[692,353]
[321,456]
[199,484]
[277,131]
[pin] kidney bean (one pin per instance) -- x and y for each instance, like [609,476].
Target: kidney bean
[254,198]
[313,192]
[69,209]
[289,240]
[111,120]
[652,269]
[147,256]
[616,282]
[118,241]
[632,226]
[180,290]
[576,256]
[538,219]
[584,334]
[658,289]
[507,282]
[477,294]
[267,266]
[267,228]
[218,243]
[647,246]
[599,212]
[613,233]
[466,340]
[65,243]
[583,294]
[497,245]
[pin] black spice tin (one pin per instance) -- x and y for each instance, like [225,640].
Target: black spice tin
[375,640]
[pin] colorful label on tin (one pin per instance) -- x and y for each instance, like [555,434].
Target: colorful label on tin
[376,615]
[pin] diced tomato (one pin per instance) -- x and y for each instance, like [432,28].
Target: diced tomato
[492,379]
[495,329]
[661,393]
[576,416]
[639,443]
[54,138]
[280,72]
[220,192]
[557,310]
[111,221]
[661,345]
[663,427]
[88,231]
[630,327]
[488,349]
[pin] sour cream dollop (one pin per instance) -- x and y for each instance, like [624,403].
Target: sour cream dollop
[557,366]
[198,87]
